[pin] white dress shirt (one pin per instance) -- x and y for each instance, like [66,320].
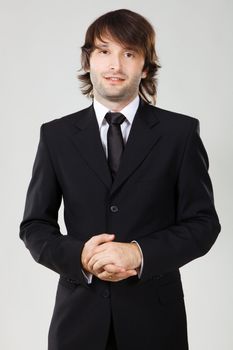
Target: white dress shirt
[129,112]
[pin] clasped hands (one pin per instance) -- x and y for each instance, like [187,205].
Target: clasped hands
[110,260]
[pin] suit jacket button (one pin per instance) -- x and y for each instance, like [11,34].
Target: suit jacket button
[106,293]
[159,276]
[114,208]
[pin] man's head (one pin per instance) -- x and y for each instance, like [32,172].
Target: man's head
[119,58]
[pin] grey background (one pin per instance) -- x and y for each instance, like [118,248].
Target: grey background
[40,55]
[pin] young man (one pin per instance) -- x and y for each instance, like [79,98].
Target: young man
[138,200]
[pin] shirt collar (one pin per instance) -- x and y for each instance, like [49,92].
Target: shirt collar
[129,111]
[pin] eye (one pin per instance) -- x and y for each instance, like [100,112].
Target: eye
[103,51]
[129,54]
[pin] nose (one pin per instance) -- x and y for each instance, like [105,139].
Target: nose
[115,62]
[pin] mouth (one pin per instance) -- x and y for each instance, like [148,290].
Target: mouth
[114,79]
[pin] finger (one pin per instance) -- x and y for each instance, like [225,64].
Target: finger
[102,238]
[104,275]
[97,249]
[92,247]
[116,277]
[125,274]
[102,247]
[120,275]
[99,260]
[108,267]
[112,268]
[93,260]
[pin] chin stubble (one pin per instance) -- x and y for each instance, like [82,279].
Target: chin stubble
[122,93]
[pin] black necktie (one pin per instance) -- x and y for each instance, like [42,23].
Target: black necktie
[115,140]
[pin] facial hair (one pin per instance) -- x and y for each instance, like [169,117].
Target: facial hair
[115,93]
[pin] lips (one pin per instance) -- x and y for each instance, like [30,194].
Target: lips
[114,78]
[113,81]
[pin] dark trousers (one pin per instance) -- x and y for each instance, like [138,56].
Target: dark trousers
[111,343]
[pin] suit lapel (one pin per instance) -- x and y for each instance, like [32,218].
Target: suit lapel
[141,139]
[87,140]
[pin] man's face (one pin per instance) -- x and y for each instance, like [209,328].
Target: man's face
[115,71]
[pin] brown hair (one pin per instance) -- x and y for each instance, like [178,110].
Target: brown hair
[127,28]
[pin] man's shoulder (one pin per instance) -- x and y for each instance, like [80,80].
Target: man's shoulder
[172,117]
[174,123]
[66,120]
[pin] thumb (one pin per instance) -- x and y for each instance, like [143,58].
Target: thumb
[102,238]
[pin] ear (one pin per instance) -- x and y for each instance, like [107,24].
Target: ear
[144,74]
[86,67]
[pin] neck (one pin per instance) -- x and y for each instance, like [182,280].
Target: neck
[114,106]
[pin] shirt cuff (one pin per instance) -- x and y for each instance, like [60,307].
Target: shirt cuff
[88,276]
[141,268]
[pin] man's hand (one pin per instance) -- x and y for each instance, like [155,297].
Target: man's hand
[125,255]
[105,258]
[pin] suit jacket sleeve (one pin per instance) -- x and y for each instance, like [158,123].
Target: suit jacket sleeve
[39,229]
[197,225]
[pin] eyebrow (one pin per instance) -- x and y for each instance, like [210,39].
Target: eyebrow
[101,46]
[105,45]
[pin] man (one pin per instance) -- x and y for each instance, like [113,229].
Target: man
[138,200]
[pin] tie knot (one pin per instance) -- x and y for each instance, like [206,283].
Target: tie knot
[114,118]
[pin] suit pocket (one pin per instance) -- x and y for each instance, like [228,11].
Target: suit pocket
[170,293]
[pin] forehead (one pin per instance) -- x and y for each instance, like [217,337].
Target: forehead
[108,41]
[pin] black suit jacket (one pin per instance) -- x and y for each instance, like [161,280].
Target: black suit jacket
[162,197]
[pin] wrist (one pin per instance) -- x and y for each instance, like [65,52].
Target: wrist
[137,255]
[84,267]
